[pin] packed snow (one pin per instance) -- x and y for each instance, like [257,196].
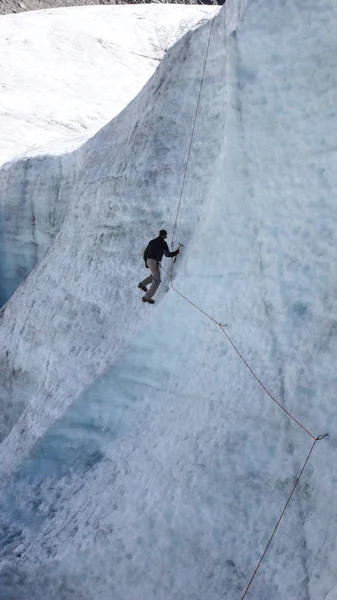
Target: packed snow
[64,73]
[140,457]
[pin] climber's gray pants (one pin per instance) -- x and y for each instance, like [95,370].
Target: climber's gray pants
[154,278]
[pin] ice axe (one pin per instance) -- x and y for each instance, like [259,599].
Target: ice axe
[180,246]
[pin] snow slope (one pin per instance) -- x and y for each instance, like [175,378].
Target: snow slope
[65,73]
[160,466]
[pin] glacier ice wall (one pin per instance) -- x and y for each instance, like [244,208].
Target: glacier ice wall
[164,476]
[120,187]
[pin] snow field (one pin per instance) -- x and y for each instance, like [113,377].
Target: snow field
[78,67]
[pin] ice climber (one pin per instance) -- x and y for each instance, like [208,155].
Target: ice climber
[153,254]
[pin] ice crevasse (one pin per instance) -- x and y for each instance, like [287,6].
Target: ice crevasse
[140,458]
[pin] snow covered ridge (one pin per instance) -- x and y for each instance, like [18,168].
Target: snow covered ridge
[165,477]
[16,6]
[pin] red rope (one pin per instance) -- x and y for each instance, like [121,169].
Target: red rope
[242,358]
[192,303]
[263,386]
[193,128]
[279,521]
[280,405]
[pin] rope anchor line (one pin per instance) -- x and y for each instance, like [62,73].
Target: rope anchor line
[279,520]
[264,387]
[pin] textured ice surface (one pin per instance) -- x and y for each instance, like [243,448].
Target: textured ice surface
[160,466]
